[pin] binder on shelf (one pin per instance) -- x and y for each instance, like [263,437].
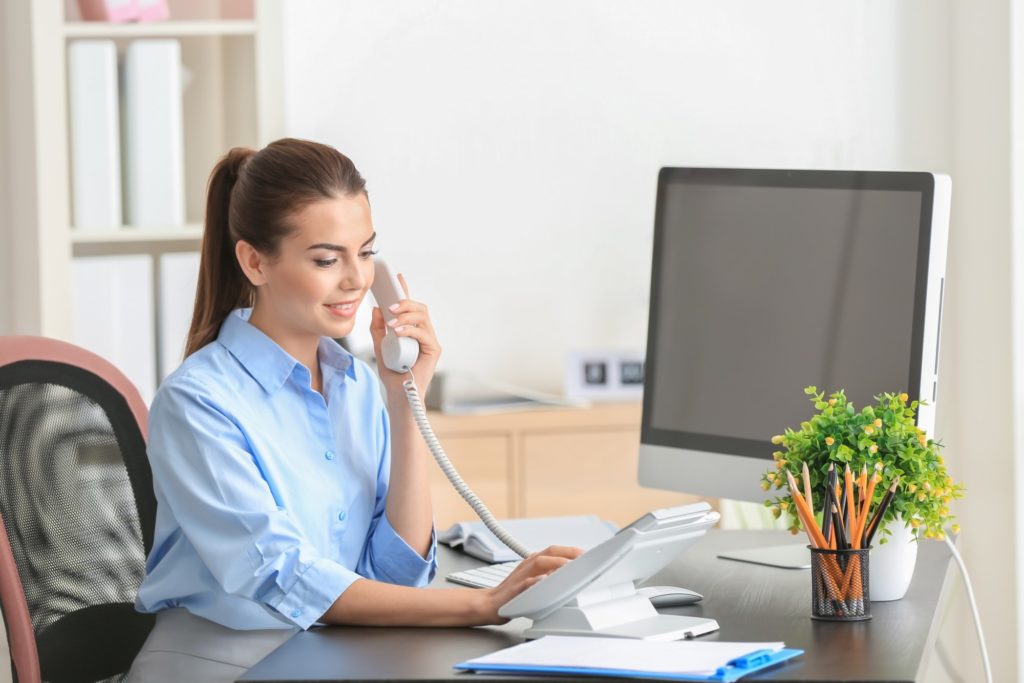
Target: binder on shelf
[686,660]
[95,135]
[112,314]
[177,295]
[153,140]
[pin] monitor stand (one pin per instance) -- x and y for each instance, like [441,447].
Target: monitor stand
[790,556]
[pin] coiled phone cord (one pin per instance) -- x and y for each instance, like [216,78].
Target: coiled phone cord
[419,413]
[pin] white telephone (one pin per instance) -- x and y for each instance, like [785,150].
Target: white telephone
[399,354]
[596,593]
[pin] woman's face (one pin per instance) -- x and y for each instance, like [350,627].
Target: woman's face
[318,279]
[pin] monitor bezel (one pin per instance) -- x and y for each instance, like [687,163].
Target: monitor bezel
[904,181]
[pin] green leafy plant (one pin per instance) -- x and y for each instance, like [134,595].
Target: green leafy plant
[884,438]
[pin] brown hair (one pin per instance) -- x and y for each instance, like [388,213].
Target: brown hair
[251,196]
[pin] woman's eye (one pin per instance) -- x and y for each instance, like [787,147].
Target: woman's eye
[326,262]
[368,254]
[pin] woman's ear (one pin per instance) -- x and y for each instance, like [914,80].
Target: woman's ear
[251,262]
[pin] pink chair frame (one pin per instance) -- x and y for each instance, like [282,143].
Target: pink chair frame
[13,349]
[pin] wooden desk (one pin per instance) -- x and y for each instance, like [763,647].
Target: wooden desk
[750,602]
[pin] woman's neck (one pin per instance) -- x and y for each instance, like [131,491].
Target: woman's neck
[301,347]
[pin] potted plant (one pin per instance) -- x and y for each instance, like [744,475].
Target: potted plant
[882,438]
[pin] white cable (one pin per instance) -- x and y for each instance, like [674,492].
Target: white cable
[419,413]
[974,607]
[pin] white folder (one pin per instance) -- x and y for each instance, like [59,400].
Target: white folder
[111,312]
[154,144]
[95,134]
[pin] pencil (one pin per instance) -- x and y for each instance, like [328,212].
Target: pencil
[807,489]
[866,509]
[879,511]
[841,540]
[826,505]
[848,499]
[813,532]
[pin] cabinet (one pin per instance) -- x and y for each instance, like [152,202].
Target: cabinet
[231,53]
[547,462]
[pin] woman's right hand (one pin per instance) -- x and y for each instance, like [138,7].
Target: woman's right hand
[531,570]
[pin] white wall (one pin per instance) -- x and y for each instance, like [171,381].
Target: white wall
[5,216]
[977,406]
[512,149]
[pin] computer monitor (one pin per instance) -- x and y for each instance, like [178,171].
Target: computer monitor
[768,281]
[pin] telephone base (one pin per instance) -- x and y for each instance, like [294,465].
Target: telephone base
[597,613]
[659,627]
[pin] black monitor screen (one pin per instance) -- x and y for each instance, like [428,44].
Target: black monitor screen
[765,282]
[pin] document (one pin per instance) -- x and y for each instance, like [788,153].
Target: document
[583,531]
[622,657]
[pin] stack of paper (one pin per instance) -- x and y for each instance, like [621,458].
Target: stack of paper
[583,531]
[683,660]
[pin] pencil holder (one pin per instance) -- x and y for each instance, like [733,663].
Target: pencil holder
[839,585]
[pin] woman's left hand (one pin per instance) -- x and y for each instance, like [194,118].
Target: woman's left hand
[408,319]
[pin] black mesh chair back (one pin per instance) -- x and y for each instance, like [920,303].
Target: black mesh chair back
[76,499]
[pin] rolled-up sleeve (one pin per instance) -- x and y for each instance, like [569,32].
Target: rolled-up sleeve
[206,474]
[388,557]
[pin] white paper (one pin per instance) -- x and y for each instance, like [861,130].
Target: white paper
[583,531]
[623,654]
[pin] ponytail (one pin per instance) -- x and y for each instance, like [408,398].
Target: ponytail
[252,196]
[222,287]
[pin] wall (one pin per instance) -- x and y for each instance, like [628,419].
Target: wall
[512,149]
[978,404]
[5,217]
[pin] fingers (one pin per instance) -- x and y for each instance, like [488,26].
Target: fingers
[542,563]
[405,286]
[568,551]
[377,319]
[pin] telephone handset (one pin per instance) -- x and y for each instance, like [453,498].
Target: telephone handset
[399,354]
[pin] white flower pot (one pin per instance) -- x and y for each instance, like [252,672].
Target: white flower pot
[892,563]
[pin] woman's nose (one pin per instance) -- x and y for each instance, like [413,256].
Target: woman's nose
[353,278]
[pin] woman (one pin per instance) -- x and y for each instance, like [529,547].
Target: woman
[289,492]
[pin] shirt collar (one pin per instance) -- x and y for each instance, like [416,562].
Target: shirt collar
[265,360]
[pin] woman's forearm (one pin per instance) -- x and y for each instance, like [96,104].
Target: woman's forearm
[372,603]
[408,506]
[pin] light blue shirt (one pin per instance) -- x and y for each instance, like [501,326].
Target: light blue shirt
[270,498]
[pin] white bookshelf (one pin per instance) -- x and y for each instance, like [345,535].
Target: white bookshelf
[160,29]
[232,53]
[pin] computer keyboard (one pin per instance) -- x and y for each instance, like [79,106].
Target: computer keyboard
[487,576]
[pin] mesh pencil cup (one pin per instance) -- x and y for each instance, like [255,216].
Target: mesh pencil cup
[839,585]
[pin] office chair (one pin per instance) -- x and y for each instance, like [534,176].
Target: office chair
[77,512]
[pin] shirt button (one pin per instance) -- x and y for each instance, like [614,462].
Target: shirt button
[341,516]
[329,455]
[296,613]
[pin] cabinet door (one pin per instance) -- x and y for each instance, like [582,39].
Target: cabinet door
[484,463]
[589,472]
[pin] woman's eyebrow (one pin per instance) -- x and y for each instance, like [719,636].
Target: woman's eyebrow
[338,247]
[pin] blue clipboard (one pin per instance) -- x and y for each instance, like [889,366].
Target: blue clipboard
[732,671]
